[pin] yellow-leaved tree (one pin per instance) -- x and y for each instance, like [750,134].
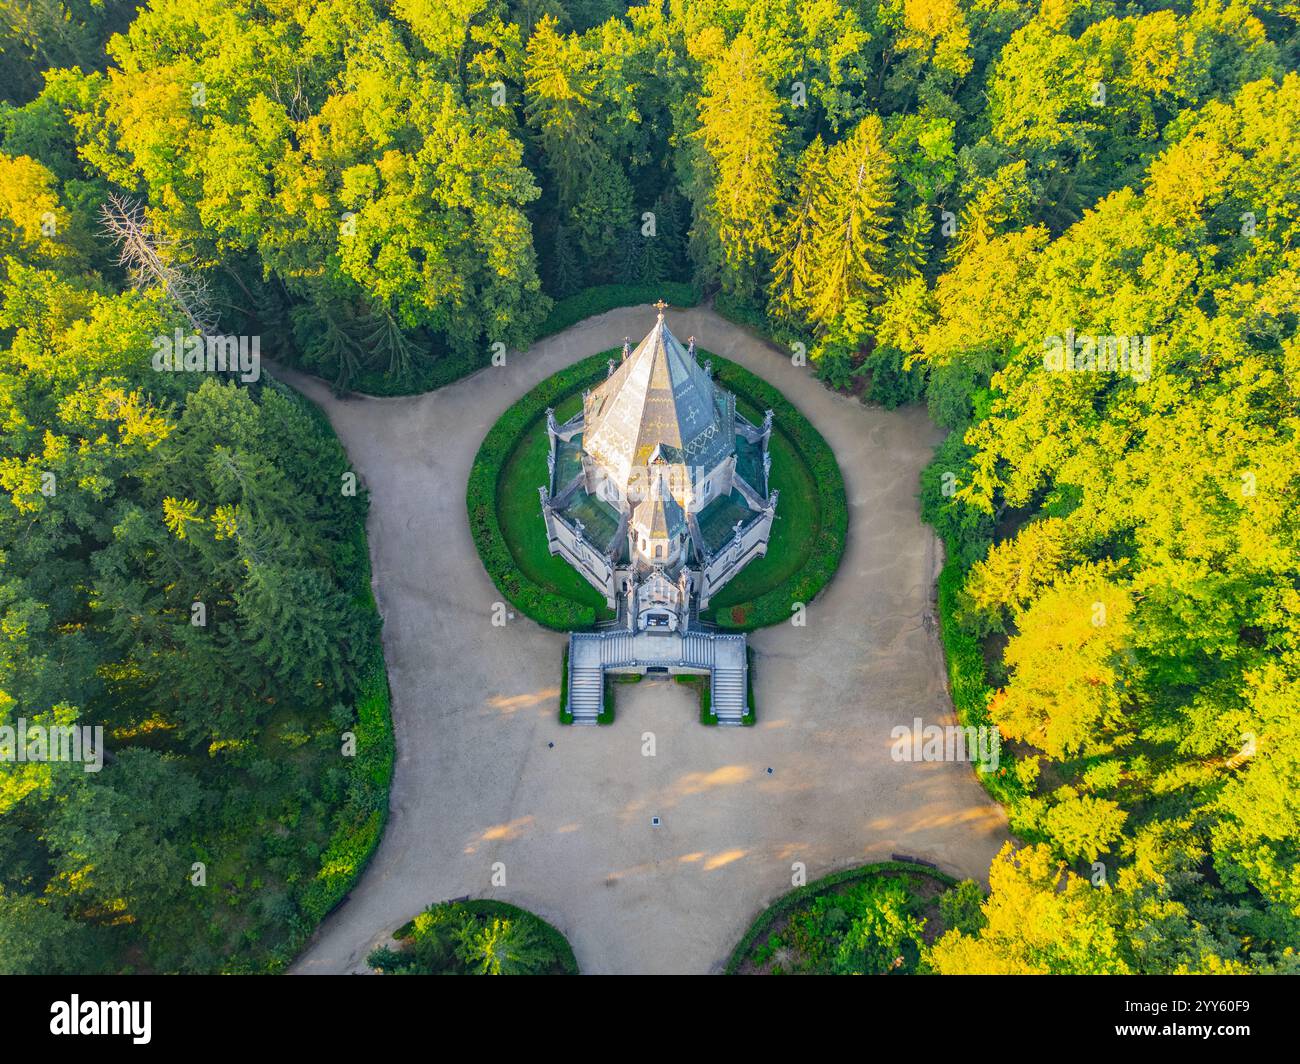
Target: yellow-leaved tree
[1039,920]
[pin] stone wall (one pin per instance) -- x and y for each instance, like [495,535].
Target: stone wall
[739,552]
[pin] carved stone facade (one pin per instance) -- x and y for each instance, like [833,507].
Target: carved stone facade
[658,489]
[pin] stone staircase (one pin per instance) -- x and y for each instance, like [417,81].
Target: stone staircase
[697,650]
[586,693]
[616,648]
[728,698]
[723,655]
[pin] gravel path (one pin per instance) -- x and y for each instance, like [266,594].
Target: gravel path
[477,785]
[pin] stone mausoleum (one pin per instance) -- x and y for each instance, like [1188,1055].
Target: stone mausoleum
[659,494]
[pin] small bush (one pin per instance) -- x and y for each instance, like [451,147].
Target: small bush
[962,908]
[444,369]
[966,530]
[742,312]
[858,920]
[891,385]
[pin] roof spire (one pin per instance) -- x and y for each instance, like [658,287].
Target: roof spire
[662,395]
[627,346]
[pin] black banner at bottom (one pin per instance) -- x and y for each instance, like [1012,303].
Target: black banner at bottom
[333,1013]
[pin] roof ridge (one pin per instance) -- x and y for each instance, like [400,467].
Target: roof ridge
[659,399]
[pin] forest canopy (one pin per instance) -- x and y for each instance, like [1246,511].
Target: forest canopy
[1068,228]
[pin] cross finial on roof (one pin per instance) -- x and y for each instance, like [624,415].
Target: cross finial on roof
[662,307]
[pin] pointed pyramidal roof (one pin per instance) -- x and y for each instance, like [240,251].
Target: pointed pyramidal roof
[659,398]
[659,515]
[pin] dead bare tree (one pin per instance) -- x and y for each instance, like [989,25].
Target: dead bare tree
[141,250]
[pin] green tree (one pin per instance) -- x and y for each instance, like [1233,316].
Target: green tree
[738,168]
[502,947]
[1039,920]
[850,221]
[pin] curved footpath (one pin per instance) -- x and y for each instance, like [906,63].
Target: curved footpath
[478,793]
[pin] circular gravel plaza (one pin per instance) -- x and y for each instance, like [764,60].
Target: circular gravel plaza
[492,797]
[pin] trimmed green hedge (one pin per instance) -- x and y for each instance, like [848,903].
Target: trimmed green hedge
[703,691]
[800,895]
[360,822]
[562,614]
[605,297]
[966,674]
[606,715]
[532,600]
[565,716]
[357,837]
[968,678]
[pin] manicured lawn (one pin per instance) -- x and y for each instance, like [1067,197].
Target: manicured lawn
[798,516]
[519,510]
